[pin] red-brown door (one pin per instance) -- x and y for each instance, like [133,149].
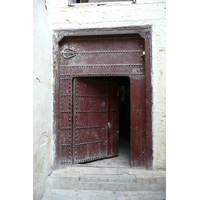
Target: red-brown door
[95,119]
[120,52]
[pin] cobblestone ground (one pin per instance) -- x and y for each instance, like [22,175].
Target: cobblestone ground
[55,194]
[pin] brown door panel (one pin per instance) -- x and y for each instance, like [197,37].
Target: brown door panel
[95,119]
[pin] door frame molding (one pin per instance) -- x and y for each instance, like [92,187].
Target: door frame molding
[146,33]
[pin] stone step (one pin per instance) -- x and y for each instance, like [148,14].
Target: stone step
[117,186]
[108,178]
[113,179]
[55,194]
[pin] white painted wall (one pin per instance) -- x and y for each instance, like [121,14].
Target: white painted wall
[144,12]
[42,96]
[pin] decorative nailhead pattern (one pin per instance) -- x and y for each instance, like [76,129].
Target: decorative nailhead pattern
[99,38]
[137,73]
[102,74]
[91,96]
[91,111]
[89,159]
[105,52]
[88,127]
[76,93]
[65,111]
[65,95]
[84,143]
[67,78]
[65,162]
[66,145]
[100,65]
[66,128]
[69,53]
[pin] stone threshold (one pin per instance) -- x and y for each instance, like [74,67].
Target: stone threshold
[55,194]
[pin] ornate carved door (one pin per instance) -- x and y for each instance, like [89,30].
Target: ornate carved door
[95,119]
[103,53]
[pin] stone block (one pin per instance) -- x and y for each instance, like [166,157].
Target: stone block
[132,186]
[91,186]
[153,180]
[161,187]
[146,187]
[139,180]
[81,186]
[101,186]
[106,186]
[153,187]
[74,186]
[143,187]
[63,183]
[108,178]
[139,186]
[122,186]
[114,186]
[160,180]
[146,180]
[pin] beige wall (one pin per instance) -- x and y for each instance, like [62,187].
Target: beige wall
[42,96]
[144,12]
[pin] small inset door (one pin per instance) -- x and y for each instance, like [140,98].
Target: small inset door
[95,119]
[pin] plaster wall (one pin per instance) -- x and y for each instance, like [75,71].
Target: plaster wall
[143,12]
[42,96]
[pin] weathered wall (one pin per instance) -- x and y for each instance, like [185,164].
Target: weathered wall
[42,96]
[144,12]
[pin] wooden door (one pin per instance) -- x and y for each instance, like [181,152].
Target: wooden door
[103,53]
[95,119]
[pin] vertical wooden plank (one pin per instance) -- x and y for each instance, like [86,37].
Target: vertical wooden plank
[90,119]
[65,119]
[137,122]
[148,99]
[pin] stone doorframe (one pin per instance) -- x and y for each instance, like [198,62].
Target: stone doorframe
[145,33]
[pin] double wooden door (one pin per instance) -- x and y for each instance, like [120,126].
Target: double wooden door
[85,106]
